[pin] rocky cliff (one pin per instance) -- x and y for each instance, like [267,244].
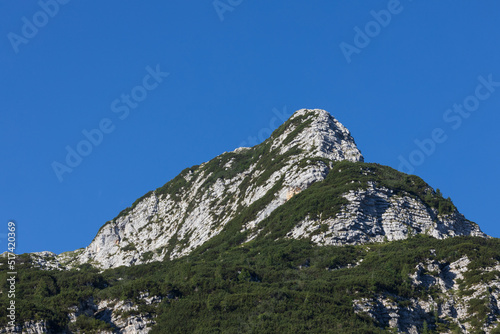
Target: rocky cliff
[450,304]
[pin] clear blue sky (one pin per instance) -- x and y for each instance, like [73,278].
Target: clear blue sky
[69,69]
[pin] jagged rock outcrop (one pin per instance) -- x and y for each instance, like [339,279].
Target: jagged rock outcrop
[451,305]
[28,327]
[378,214]
[122,317]
[47,260]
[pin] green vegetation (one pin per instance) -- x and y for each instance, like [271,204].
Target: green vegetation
[147,256]
[90,325]
[129,247]
[173,187]
[260,287]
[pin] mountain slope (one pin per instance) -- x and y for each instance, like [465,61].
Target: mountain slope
[417,285]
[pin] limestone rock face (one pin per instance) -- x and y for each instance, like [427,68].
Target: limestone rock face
[113,312]
[28,327]
[377,214]
[408,316]
[324,136]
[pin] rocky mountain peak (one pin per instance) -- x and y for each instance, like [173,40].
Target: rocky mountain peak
[318,134]
[311,158]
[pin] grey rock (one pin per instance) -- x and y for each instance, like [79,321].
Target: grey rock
[377,214]
[387,310]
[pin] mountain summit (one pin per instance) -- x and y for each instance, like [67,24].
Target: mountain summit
[318,134]
[351,202]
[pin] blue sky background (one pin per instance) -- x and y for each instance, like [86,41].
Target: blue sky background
[226,77]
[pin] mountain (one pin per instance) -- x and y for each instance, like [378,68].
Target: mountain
[251,238]
[195,206]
